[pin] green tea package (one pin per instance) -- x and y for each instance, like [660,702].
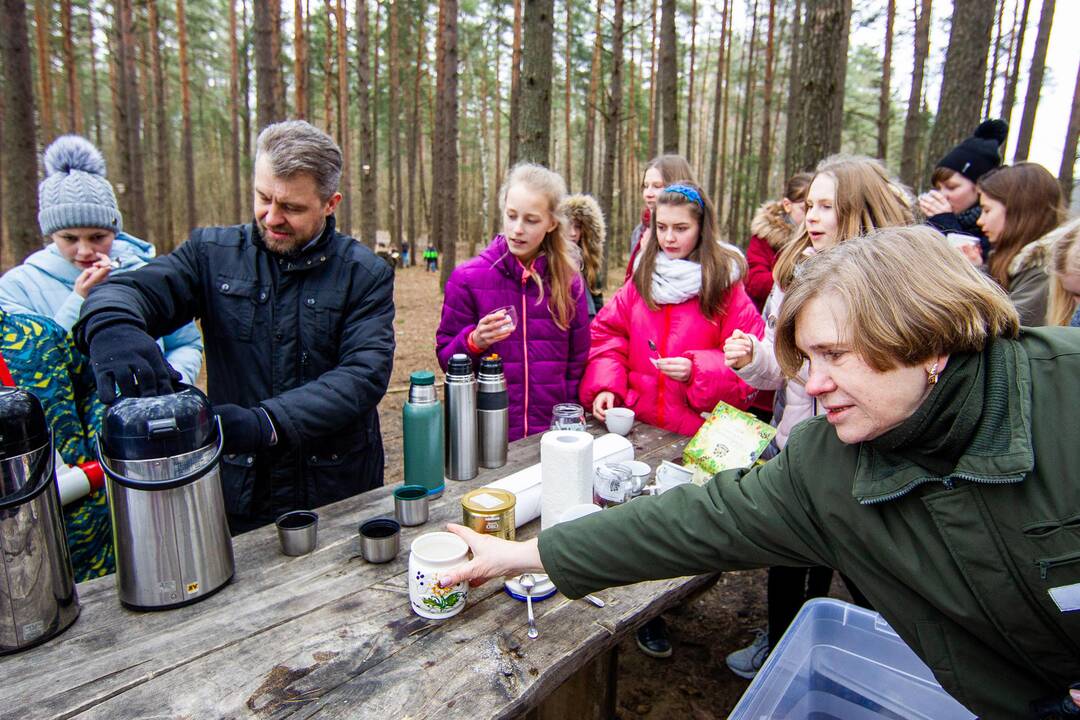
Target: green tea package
[730,438]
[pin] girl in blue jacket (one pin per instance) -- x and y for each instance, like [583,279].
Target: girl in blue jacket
[79,214]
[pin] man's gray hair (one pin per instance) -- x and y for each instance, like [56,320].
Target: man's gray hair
[295,146]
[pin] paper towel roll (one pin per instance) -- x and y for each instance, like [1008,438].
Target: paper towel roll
[612,448]
[566,473]
[525,484]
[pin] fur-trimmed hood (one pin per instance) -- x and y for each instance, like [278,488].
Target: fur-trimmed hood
[1032,255]
[586,211]
[772,225]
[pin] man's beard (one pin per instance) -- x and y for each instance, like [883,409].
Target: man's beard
[291,245]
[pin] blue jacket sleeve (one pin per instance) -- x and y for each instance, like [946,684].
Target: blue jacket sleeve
[183,350]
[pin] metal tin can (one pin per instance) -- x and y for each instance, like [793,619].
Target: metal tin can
[489,511]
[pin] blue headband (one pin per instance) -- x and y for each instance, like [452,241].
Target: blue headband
[687,192]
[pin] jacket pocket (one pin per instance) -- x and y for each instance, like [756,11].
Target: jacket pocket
[1046,565]
[343,466]
[235,307]
[938,657]
[323,310]
[238,482]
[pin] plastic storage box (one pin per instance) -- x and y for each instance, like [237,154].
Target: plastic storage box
[839,661]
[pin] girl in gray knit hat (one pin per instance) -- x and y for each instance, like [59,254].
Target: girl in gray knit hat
[80,218]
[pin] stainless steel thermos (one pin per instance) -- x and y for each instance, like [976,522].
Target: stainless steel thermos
[461,431]
[492,410]
[37,586]
[161,460]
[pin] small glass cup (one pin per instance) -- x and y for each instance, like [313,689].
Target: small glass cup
[511,317]
[568,416]
[613,484]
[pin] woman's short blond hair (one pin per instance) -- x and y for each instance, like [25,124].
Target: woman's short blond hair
[1065,259]
[909,297]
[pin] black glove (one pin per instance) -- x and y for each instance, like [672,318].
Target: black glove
[244,430]
[125,357]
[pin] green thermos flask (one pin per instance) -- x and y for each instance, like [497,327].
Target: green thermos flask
[422,425]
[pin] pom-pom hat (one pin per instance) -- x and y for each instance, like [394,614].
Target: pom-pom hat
[980,153]
[75,192]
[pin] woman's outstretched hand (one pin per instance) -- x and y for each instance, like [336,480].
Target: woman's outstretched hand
[492,557]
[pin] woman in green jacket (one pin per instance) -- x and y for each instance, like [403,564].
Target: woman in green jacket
[950,498]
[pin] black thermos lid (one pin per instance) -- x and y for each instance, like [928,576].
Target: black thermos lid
[459,365]
[491,365]
[145,428]
[23,427]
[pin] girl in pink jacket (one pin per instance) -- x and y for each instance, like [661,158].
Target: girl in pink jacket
[657,347]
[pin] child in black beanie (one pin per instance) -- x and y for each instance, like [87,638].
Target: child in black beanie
[953,205]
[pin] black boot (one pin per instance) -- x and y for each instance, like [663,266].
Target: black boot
[652,639]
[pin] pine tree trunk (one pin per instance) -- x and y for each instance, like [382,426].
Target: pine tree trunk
[612,121]
[368,188]
[132,197]
[566,98]
[914,121]
[961,99]
[42,24]
[245,92]
[711,187]
[690,85]
[721,196]
[746,122]
[301,61]
[1068,155]
[765,155]
[444,220]
[279,58]
[266,109]
[187,149]
[375,110]
[497,171]
[1034,84]
[588,147]
[654,116]
[165,238]
[344,212]
[1013,81]
[669,79]
[393,126]
[515,89]
[538,31]
[20,140]
[236,214]
[414,140]
[95,98]
[987,109]
[329,78]
[793,90]
[884,101]
[71,72]
[819,115]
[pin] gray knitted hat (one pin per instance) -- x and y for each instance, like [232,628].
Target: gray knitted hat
[75,192]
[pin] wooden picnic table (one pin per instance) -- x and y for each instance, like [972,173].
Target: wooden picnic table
[332,636]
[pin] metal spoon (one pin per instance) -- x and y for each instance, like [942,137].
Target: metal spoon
[528,582]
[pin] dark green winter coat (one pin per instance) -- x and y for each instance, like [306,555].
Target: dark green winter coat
[957,524]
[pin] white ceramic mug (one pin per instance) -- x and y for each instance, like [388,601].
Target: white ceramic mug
[430,556]
[670,475]
[640,471]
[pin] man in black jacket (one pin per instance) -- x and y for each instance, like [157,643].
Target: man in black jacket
[298,320]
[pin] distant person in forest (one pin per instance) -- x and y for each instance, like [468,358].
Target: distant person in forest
[953,205]
[431,257]
[772,228]
[86,245]
[659,173]
[1065,276]
[299,321]
[404,253]
[1020,205]
[586,230]
[531,268]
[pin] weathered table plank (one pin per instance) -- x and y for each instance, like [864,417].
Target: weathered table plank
[329,634]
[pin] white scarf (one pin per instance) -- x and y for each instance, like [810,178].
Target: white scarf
[675,281]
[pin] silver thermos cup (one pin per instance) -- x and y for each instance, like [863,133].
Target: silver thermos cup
[492,409]
[461,434]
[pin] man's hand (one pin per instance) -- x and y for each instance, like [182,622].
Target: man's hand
[125,357]
[244,430]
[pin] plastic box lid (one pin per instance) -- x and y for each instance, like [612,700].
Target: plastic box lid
[840,661]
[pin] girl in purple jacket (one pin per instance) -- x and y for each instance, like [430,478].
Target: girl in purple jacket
[531,268]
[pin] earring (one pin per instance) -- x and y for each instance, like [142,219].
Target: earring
[932,375]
